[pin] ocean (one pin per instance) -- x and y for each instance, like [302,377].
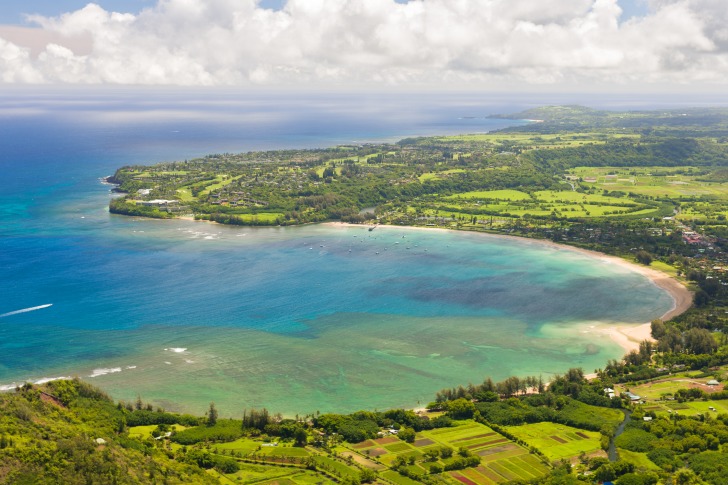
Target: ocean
[297,319]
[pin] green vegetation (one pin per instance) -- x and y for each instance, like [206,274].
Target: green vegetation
[557,441]
[69,432]
[650,187]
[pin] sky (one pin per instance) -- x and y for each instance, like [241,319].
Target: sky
[481,44]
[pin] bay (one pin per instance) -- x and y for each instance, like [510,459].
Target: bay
[325,317]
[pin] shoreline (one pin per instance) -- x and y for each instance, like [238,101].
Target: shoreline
[626,335]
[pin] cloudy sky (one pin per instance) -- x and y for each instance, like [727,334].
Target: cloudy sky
[376,43]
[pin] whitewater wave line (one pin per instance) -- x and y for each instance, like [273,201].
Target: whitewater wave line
[26,310]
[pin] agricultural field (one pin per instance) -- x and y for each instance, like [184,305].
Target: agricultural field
[673,182]
[501,459]
[557,441]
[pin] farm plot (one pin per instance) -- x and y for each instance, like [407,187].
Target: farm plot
[557,441]
[501,459]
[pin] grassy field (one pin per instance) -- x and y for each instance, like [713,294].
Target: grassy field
[513,203]
[658,396]
[533,140]
[639,460]
[557,441]
[674,182]
[270,475]
[492,195]
[261,216]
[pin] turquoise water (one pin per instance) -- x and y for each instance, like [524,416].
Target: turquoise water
[322,317]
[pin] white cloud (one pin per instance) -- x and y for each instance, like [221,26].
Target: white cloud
[370,42]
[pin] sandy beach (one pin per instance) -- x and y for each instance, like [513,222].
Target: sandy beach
[627,336]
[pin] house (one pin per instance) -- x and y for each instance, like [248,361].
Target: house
[632,397]
[713,382]
[609,392]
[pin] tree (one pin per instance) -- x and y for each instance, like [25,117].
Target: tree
[461,409]
[700,341]
[212,415]
[658,329]
[605,473]
[406,434]
[367,475]
[685,477]
[643,257]
[300,436]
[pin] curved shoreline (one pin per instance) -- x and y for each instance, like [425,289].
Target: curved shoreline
[626,335]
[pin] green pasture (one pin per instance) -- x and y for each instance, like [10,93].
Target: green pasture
[514,203]
[665,268]
[687,408]
[673,182]
[243,446]
[287,451]
[261,216]
[265,474]
[659,389]
[502,195]
[569,196]
[557,441]
[185,195]
[535,140]
[219,182]
[639,460]
[438,175]
[659,396]
[142,432]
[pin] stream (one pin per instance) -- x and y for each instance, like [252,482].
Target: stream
[612,451]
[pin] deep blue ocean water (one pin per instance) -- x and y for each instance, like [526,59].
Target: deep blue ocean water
[329,317]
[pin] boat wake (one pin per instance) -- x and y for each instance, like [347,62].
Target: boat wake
[26,310]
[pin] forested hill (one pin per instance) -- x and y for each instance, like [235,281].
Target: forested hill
[68,432]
